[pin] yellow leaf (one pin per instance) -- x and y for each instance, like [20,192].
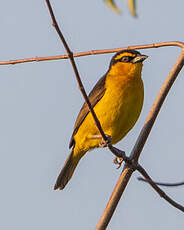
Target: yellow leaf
[113,6]
[132,7]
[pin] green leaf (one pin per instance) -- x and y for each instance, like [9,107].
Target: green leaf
[113,6]
[132,7]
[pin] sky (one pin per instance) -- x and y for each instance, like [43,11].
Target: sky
[39,103]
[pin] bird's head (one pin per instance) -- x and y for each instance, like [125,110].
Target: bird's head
[127,62]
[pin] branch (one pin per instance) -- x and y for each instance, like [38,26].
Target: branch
[161,183]
[70,55]
[157,106]
[92,52]
[158,190]
[137,149]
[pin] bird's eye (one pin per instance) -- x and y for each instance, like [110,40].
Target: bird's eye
[125,59]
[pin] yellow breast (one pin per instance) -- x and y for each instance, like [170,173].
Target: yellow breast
[117,111]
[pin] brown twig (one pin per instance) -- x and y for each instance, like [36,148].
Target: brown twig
[158,190]
[92,52]
[157,106]
[135,166]
[162,183]
[70,55]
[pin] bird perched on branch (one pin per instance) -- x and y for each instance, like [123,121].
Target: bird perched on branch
[117,100]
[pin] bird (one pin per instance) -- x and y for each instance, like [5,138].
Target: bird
[117,99]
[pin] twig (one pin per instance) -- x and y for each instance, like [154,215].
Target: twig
[92,52]
[157,106]
[158,190]
[161,183]
[70,55]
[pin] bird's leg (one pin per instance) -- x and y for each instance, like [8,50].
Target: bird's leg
[104,143]
[120,156]
[118,159]
[96,137]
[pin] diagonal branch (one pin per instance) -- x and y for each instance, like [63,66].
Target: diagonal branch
[135,154]
[137,149]
[158,190]
[70,55]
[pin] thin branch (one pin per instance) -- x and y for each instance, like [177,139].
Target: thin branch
[158,190]
[135,154]
[134,166]
[137,149]
[70,55]
[92,52]
[161,183]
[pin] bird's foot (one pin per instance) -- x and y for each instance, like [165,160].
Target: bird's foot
[118,161]
[105,143]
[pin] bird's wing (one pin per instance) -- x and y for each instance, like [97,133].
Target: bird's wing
[94,97]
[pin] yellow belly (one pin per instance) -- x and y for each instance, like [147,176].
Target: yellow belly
[117,111]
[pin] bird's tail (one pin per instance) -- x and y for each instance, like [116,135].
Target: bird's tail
[67,171]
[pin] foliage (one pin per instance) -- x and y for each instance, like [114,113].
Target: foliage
[131,5]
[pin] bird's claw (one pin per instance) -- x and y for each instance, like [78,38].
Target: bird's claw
[118,161]
[105,143]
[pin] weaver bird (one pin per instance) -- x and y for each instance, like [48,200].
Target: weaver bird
[117,100]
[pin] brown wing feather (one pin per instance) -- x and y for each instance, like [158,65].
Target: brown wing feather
[95,95]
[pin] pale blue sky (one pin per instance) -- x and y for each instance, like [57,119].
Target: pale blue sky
[40,101]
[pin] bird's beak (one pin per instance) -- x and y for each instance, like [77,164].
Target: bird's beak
[139,58]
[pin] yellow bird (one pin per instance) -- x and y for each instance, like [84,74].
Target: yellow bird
[117,100]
